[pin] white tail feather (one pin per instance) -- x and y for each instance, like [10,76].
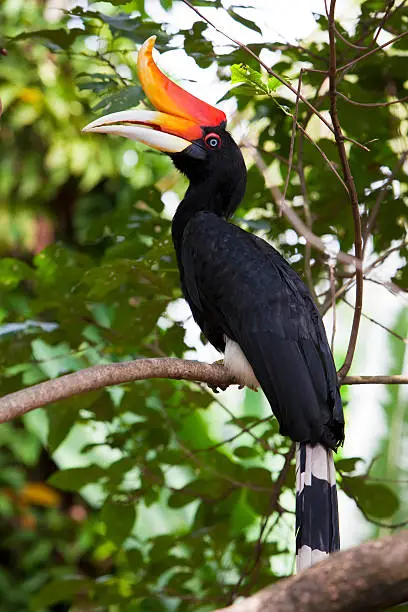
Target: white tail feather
[317,527]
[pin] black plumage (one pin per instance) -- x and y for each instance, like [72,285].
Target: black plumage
[239,286]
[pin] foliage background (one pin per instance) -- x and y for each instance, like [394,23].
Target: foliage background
[160,495]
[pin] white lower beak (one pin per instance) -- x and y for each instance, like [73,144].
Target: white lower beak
[144,126]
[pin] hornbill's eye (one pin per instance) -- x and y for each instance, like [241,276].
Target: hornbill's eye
[213,141]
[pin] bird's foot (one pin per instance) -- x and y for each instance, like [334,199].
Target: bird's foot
[218,388]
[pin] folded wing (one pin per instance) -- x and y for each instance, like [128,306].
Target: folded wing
[239,286]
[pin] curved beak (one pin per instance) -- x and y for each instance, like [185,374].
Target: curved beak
[179,116]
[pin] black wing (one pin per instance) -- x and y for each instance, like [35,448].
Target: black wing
[238,285]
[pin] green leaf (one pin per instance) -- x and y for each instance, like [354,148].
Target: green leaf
[246,452]
[53,38]
[124,99]
[273,83]
[152,604]
[120,2]
[98,82]
[261,83]
[348,465]
[55,360]
[13,271]
[61,419]
[63,415]
[207,490]
[239,74]
[73,479]
[259,490]
[376,500]
[244,21]
[119,520]
[59,590]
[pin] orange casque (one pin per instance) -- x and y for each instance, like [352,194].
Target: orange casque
[170,98]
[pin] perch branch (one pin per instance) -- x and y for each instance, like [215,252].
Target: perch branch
[97,377]
[370,577]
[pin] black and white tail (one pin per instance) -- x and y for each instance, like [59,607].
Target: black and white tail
[317,517]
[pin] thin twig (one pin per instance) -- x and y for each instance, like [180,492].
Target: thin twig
[382,22]
[372,104]
[333,303]
[318,99]
[384,256]
[349,180]
[388,285]
[206,466]
[364,55]
[293,136]
[348,42]
[323,154]
[242,431]
[248,145]
[351,282]
[308,218]
[112,66]
[310,139]
[384,327]
[295,220]
[380,197]
[236,419]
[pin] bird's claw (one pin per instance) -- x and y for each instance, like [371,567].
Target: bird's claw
[218,388]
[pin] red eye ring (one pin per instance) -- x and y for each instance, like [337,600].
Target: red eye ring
[213,140]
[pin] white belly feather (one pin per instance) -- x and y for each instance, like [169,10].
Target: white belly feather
[238,366]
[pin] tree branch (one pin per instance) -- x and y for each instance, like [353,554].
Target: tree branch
[372,104]
[296,221]
[383,21]
[384,327]
[97,377]
[396,379]
[293,136]
[380,197]
[364,55]
[349,180]
[100,376]
[370,577]
[350,283]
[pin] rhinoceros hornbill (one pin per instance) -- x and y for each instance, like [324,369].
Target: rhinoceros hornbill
[247,300]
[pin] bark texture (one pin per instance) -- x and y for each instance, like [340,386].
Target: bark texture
[97,377]
[372,576]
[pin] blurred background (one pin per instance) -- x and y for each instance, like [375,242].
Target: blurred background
[157,495]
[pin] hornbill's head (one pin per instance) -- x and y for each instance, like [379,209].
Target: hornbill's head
[191,131]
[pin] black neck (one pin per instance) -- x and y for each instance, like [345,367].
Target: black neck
[221,199]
